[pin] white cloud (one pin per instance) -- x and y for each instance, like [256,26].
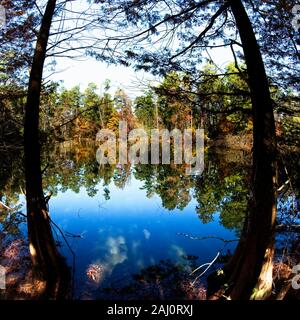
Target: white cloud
[147,234]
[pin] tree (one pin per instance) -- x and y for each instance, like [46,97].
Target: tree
[92,102]
[45,257]
[272,21]
[123,107]
[161,22]
[68,105]
[251,272]
[145,110]
[174,101]
[223,188]
[16,41]
[16,49]
[107,103]
[167,181]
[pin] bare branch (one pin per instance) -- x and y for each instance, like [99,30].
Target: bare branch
[204,32]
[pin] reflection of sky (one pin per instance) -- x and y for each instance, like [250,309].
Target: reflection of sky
[130,231]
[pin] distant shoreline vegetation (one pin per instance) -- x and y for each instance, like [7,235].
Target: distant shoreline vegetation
[133,146]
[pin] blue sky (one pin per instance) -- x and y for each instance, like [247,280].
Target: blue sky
[74,72]
[83,72]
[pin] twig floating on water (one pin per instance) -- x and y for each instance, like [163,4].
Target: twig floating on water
[205,238]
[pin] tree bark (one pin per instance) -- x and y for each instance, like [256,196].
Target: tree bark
[249,273]
[47,262]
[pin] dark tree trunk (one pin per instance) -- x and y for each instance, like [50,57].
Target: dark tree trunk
[48,264]
[249,273]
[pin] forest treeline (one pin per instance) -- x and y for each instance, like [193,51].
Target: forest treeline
[220,105]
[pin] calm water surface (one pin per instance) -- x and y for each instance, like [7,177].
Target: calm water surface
[137,228]
[130,218]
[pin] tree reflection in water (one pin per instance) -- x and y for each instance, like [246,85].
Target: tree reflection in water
[223,188]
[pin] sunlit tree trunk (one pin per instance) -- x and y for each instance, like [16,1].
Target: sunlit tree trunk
[48,264]
[249,273]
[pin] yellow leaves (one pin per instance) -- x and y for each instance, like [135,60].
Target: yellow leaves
[220,272]
[19,13]
[296,119]
[260,294]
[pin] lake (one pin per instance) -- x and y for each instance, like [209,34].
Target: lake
[138,231]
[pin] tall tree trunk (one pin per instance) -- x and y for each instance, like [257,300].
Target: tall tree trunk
[249,273]
[47,262]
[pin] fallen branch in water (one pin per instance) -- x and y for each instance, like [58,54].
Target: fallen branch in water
[62,234]
[72,235]
[57,227]
[208,264]
[287,227]
[205,238]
